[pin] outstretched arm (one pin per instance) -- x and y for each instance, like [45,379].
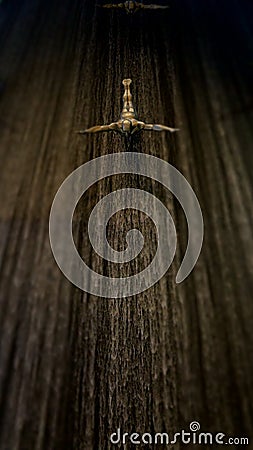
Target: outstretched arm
[101,128]
[157,127]
[154,6]
[112,5]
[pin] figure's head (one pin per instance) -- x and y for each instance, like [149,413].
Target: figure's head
[126,126]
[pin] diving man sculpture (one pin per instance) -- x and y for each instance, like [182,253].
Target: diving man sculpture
[128,124]
[131,6]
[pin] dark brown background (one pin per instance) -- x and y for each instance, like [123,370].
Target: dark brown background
[74,368]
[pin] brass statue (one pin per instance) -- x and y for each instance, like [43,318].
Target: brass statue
[131,6]
[128,124]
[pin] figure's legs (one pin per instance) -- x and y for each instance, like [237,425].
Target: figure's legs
[128,108]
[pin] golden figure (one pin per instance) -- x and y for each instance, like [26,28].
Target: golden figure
[131,6]
[128,124]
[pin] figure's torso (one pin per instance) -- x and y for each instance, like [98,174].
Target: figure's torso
[128,114]
[130,6]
